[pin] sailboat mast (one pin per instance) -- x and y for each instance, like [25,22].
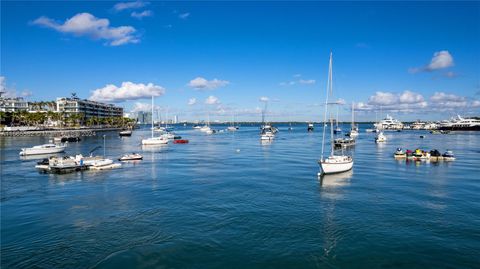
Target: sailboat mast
[353,124]
[337,116]
[326,104]
[152,116]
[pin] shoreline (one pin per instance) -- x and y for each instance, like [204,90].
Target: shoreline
[69,132]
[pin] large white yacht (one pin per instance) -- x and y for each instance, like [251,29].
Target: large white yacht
[461,124]
[389,123]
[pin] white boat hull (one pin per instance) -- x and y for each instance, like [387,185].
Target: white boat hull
[37,151]
[154,141]
[335,167]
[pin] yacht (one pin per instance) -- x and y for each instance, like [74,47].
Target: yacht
[389,123]
[460,124]
[154,140]
[335,163]
[43,149]
[125,133]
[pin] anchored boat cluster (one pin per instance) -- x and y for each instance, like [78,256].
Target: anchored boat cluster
[422,155]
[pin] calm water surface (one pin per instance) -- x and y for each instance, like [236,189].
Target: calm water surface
[228,201]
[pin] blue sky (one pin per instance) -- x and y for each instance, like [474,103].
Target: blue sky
[410,59]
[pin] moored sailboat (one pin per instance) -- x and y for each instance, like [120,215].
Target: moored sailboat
[333,163]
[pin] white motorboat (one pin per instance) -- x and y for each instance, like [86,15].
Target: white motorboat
[232,128]
[334,163]
[43,149]
[131,157]
[310,127]
[125,133]
[380,138]
[460,124]
[154,140]
[197,127]
[104,164]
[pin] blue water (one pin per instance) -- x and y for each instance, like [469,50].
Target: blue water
[228,201]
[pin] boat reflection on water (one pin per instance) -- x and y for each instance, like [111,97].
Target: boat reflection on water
[155,148]
[39,156]
[335,180]
[266,142]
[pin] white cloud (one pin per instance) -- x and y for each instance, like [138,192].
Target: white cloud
[129,5]
[184,16]
[307,81]
[408,97]
[383,99]
[212,100]
[141,15]
[445,101]
[297,75]
[9,92]
[263,99]
[85,24]
[192,101]
[127,91]
[143,107]
[440,60]
[200,83]
[475,103]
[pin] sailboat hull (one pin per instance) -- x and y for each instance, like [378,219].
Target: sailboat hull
[338,165]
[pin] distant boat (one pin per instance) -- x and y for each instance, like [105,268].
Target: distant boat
[460,124]
[310,127]
[389,123]
[337,130]
[333,163]
[125,133]
[131,157]
[43,149]
[380,138]
[154,140]
[232,127]
[354,129]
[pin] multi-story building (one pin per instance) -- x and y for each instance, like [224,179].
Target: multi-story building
[13,104]
[144,117]
[88,108]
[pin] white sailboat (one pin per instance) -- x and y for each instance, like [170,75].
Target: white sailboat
[333,163]
[233,127]
[337,130]
[154,140]
[354,129]
[43,149]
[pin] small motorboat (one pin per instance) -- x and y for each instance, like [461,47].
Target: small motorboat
[399,154]
[267,135]
[197,127]
[70,139]
[409,154]
[232,128]
[422,136]
[180,141]
[131,157]
[448,155]
[338,130]
[310,127]
[435,155]
[125,133]
[380,138]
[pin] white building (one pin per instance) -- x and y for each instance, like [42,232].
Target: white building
[88,108]
[13,104]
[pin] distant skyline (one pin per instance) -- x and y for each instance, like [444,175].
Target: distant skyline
[412,60]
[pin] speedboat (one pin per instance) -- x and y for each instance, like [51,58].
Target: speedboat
[197,127]
[180,141]
[399,154]
[232,128]
[338,130]
[43,149]
[105,164]
[380,138]
[336,164]
[448,155]
[131,157]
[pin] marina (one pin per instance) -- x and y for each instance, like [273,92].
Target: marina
[277,188]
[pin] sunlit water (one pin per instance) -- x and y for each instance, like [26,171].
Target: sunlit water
[228,201]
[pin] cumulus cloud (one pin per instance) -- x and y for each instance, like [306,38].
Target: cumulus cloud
[192,101]
[141,15]
[406,101]
[212,100]
[11,93]
[200,83]
[142,107]
[263,99]
[184,16]
[127,91]
[440,60]
[129,5]
[85,24]
[443,101]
